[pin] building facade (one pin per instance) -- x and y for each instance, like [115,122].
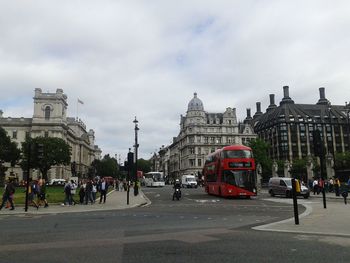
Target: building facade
[50,120]
[202,133]
[289,127]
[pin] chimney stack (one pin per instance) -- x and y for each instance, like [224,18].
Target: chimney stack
[258,110]
[272,102]
[322,100]
[248,113]
[286,98]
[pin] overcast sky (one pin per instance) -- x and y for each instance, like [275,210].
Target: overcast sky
[147,58]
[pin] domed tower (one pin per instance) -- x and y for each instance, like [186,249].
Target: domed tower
[195,111]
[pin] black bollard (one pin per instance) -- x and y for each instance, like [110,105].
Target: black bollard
[345,195]
[295,203]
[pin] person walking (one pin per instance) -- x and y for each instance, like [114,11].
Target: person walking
[8,195]
[42,193]
[67,192]
[103,187]
[73,190]
[315,186]
[94,190]
[88,192]
[337,186]
[82,191]
[32,193]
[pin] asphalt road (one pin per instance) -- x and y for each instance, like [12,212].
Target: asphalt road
[198,228]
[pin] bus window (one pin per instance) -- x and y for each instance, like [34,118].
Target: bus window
[238,154]
[239,178]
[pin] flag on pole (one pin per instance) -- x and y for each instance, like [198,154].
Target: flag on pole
[81,102]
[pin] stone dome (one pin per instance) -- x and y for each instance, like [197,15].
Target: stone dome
[195,104]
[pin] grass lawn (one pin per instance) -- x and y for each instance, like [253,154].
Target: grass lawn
[54,194]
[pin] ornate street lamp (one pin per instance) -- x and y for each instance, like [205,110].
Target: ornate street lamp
[347,109]
[136,146]
[331,129]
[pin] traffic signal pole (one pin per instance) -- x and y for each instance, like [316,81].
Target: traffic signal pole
[28,172]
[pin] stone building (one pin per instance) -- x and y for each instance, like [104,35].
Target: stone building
[288,128]
[202,133]
[50,120]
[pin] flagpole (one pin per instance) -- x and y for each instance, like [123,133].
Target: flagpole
[77,108]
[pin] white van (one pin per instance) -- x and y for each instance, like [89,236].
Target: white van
[188,181]
[57,182]
[283,186]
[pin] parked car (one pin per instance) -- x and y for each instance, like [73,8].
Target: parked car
[57,182]
[283,186]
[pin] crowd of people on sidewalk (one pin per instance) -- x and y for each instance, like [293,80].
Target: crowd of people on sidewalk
[88,189]
[331,185]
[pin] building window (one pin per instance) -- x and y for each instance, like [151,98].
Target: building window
[14,134]
[27,135]
[199,162]
[46,134]
[192,162]
[191,150]
[47,112]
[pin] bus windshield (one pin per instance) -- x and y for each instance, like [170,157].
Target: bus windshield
[238,154]
[243,179]
[155,176]
[158,177]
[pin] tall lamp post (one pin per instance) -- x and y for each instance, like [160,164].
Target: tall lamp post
[347,108]
[331,151]
[136,148]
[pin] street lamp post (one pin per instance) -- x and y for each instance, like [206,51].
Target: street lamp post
[347,108]
[136,146]
[331,130]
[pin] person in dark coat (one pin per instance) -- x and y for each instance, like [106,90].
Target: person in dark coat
[8,195]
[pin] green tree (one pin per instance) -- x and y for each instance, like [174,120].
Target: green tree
[106,167]
[260,150]
[144,165]
[8,153]
[299,170]
[342,161]
[55,152]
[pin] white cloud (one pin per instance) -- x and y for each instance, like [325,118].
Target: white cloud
[146,58]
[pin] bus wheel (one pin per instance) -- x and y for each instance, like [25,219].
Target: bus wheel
[219,191]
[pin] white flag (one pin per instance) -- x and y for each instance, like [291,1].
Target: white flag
[81,102]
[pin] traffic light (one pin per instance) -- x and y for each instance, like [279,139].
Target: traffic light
[130,160]
[40,151]
[318,145]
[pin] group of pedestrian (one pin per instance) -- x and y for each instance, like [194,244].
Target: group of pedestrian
[69,190]
[37,193]
[332,185]
[87,191]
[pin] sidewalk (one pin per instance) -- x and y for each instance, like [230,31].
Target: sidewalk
[115,200]
[334,220]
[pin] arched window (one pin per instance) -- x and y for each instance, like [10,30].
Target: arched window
[47,112]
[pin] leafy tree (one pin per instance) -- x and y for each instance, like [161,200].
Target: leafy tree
[342,161]
[299,170]
[260,150]
[8,153]
[106,167]
[55,152]
[144,165]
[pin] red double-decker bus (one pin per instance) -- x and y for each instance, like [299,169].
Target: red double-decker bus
[230,171]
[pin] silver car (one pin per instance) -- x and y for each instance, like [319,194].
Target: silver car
[283,186]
